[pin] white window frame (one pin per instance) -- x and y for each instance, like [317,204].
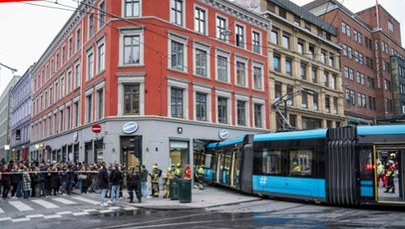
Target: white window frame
[196,24]
[259,46]
[261,66]
[206,90]
[220,52]
[123,9]
[98,87]
[244,61]
[131,32]
[131,79]
[263,111]
[243,27]
[206,48]
[89,119]
[89,68]
[245,98]
[220,36]
[183,12]
[101,58]
[182,40]
[220,93]
[172,82]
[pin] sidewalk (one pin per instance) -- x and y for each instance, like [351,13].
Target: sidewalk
[210,197]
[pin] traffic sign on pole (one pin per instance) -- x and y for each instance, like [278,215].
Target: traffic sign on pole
[96,128]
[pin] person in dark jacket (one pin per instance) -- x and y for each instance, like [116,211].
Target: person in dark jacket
[6,181]
[103,183]
[133,184]
[115,179]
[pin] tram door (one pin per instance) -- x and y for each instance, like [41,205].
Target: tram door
[386,156]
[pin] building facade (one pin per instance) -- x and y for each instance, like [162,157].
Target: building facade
[368,39]
[304,63]
[20,120]
[5,114]
[147,81]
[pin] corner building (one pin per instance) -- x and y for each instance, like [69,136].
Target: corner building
[154,78]
[304,67]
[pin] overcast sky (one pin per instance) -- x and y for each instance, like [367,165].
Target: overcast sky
[27,29]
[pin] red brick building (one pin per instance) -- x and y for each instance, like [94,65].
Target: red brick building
[374,89]
[159,77]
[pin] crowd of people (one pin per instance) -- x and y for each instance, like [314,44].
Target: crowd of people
[386,172]
[24,179]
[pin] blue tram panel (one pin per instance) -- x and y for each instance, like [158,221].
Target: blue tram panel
[295,135]
[308,188]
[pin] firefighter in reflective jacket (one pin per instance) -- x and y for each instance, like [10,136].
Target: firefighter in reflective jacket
[155,175]
[166,182]
[178,172]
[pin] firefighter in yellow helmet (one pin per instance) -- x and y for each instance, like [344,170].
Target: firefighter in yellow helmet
[179,171]
[166,182]
[155,175]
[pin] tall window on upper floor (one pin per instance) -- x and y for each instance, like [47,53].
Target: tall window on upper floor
[201,106]
[56,86]
[327,103]
[78,39]
[177,55]
[256,42]
[390,26]
[177,11]
[61,122]
[91,25]
[176,98]
[131,54]
[100,103]
[63,54]
[314,77]
[300,47]
[276,63]
[68,120]
[274,36]
[201,59]
[288,66]
[131,99]
[222,68]
[62,86]
[90,65]
[70,48]
[100,57]
[285,41]
[315,99]
[222,109]
[240,36]
[326,79]
[77,73]
[101,17]
[303,71]
[241,112]
[200,21]
[241,73]
[258,115]
[89,108]
[221,28]
[132,8]
[304,100]
[76,114]
[258,77]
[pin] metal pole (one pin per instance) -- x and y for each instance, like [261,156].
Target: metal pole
[285,114]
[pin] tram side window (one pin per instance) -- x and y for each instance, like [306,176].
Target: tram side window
[271,162]
[301,162]
[366,164]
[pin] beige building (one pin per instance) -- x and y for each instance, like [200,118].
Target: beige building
[304,64]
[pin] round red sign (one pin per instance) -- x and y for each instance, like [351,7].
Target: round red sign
[96,128]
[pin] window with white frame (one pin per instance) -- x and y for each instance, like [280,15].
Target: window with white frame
[222,109]
[78,39]
[132,99]
[241,112]
[177,50]
[76,114]
[241,72]
[256,42]
[258,76]
[100,57]
[89,108]
[91,25]
[100,103]
[132,8]
[56,87]
[200,21]
[201,106]
[258,115]
[101,16]
[201,62]
[177,11]
[77,73]
[90,65]
[70,48]
[240,36]
[61,122]
[390,26]
[221,28]
[68,120]
[176,102]
[69,81]
[222,66]
[62,86]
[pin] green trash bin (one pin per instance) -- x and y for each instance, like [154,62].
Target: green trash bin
[184,190]
[174,189]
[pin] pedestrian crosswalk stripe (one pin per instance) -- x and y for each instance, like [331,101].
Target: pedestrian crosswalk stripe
[1,211]
[20,219]
[35,216]
[46,204]
[52,216]
[80,213]
[106,211]
[64,201]
[21,206]
[130,208]
[86,200]
[5,218]
[114,208]
[64,213]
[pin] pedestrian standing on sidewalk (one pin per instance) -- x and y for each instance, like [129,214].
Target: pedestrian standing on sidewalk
[144,182]
[133,184]
[26,182]
[156,174]
[103,183]
[6,181]
[115,179]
